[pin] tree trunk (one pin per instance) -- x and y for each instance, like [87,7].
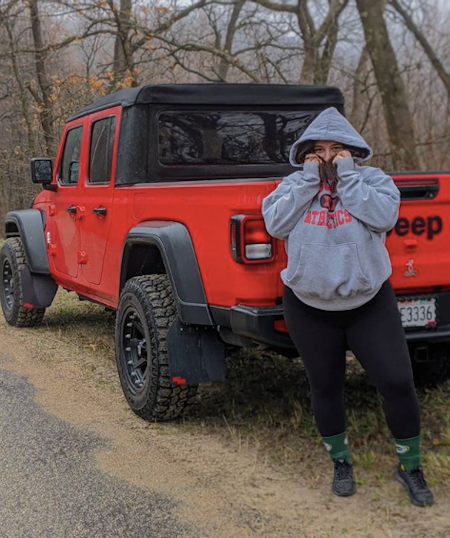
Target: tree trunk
[231,30]
[46,104]
[123,63]
[309,62]
[359,87]
[323,64]
[316,67]
[22,88]
[391,87]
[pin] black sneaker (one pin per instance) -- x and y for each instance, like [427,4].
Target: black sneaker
[343,484]
[416,485]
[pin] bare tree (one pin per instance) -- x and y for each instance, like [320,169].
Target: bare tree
[316,64]
[8,22]
[231,31]
[390,84]
[123,63]
[44,100]
[420,36]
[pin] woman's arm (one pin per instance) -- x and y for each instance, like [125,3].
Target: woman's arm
[373,199]
[284,206]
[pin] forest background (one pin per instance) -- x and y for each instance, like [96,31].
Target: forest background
[390,58]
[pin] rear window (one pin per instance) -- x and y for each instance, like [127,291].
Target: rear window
[100,156]
[229,137]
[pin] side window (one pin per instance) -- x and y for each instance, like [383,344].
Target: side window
[100,155]
[70,164]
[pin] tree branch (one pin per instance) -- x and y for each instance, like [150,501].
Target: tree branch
[412,27]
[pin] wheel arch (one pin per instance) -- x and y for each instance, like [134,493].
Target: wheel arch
[163,246]
[28,224]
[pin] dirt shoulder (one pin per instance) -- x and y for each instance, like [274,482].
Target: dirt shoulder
[246,462]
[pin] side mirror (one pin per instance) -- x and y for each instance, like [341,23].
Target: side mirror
[41,171]
[74,169]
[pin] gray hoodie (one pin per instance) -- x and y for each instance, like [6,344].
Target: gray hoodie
[334,235]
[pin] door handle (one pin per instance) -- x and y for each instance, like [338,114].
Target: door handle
[100,211]
[71,209]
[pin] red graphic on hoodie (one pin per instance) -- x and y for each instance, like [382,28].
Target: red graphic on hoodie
[329,217]
[329,202]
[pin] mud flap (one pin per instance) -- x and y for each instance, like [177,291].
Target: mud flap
[196,354]
[38,290]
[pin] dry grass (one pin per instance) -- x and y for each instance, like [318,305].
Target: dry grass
[264,403]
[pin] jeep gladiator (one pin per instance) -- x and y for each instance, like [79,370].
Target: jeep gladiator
[152,208]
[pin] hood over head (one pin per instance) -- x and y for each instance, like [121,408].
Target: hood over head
[330,124]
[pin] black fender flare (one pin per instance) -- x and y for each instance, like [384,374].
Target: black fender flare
[177,251]
[29,225]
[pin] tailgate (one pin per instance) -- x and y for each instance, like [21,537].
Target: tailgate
[419,244]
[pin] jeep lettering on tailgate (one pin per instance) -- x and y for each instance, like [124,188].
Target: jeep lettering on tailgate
[418,225]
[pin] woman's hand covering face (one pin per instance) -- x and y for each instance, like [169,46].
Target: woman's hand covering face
[312,158]
[343,154]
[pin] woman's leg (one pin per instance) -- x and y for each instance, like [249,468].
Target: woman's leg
[377,338]
[322,347]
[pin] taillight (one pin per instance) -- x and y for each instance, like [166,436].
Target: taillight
[249,240]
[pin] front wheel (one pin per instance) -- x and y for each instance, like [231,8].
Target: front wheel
[145,314]
[16,312]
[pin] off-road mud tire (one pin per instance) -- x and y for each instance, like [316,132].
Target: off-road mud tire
[150,297]
[12,261]
[435,372]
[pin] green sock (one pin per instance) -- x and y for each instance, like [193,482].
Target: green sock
[337,446]
[408,452]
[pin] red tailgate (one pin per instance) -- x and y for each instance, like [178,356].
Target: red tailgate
[419,244]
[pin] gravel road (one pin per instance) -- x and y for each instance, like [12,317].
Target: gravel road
[52,487]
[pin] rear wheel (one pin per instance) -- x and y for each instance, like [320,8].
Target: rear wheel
[435,371]
[145,314]
[12,261]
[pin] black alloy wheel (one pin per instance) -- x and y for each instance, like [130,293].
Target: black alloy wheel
[8,285]
[134,344]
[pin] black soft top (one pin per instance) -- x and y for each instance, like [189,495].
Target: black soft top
[219,93]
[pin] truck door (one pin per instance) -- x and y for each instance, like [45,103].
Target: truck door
[65,211]
[97,192]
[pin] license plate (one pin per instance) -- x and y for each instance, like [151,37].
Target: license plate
[418,312]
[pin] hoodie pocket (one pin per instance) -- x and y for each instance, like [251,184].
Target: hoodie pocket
[327,271]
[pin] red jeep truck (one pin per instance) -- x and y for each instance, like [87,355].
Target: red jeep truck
[153,209]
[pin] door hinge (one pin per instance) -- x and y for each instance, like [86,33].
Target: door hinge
[82,257]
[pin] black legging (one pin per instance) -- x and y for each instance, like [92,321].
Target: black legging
[374,333]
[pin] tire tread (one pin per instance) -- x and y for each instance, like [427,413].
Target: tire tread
[21,316]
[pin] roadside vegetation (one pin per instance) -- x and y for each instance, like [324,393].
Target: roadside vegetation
[264,405]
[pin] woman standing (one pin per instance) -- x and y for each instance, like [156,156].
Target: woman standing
[333,216]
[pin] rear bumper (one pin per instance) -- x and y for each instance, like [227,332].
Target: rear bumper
[260,323]
[254,324]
